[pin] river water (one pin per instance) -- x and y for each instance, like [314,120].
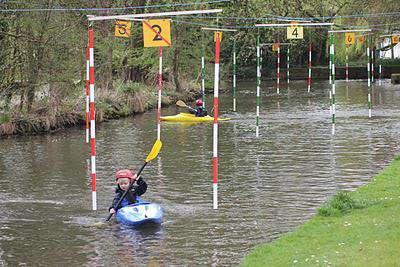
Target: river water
[267,186]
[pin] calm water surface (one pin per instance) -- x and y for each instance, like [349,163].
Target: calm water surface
[267,186]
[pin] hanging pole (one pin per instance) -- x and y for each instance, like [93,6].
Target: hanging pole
[160,56]
[330,69]
[215,124]
[87,108]
[287,64]
[380,67]
[278,74]
[258,86]
[372,65]
[369,79]
[347,63]
[92,118]
[203,90]
[309,69]
[234,74]
[332,57]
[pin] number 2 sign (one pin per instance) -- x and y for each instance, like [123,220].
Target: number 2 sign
[156,32]
[294,32]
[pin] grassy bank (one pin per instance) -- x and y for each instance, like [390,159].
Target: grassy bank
[358,228]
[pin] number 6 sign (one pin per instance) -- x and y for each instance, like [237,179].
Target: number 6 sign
[294,32]
[156,32]
[395,39]
[350,38]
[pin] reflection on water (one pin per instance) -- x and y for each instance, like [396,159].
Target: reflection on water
[267,186]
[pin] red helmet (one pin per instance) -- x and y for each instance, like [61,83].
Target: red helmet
[199,102]
[124,174]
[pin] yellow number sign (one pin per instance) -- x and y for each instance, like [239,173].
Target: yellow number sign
[156,32]
[123,28]
[360,39]
[215,36]
[395,39]
[275,47]
[350,38]
[294,32]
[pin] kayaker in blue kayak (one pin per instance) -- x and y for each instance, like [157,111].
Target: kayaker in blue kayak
[123,179]
[199,111]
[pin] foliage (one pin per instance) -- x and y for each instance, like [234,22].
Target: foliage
[342,202]
[40,48]
[127,87]
[389,62]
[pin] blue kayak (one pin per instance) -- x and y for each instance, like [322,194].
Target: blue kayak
[140,213]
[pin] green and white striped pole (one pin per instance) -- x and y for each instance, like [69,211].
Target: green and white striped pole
[347,64]
[330,68]
[372,64]
[234,74]
[369,79]
[287,65]
[309,69]
[203,90]
[258,86]
[332,60]
[380,66]
[278,70]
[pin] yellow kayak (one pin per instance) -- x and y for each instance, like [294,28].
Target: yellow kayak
[187,117]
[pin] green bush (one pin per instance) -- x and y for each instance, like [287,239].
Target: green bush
[389,61]
[342,202]
[5,118]
[127,87]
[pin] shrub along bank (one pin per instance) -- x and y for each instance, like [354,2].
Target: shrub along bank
[358,228]
[50,114]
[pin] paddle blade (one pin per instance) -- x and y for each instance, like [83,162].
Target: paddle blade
[154,151]
[180,103]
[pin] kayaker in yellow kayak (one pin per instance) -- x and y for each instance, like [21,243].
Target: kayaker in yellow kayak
[199,111]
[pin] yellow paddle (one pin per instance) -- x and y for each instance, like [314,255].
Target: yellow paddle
[152,155]
[182,104]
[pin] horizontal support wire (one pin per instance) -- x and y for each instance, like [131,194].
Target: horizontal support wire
[108,8]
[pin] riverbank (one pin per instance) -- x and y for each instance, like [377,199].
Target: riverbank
[51,114]
[358,228]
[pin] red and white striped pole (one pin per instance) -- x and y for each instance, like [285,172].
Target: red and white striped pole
[215,125]
[278,73]
[160,54]
[92,118]
[309,69]
[87,94]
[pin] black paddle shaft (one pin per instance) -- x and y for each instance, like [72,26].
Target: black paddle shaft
[126,191]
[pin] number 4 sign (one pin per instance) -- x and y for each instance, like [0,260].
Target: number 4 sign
[294,32]
[156,32]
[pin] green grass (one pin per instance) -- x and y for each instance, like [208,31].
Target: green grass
[360,228]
